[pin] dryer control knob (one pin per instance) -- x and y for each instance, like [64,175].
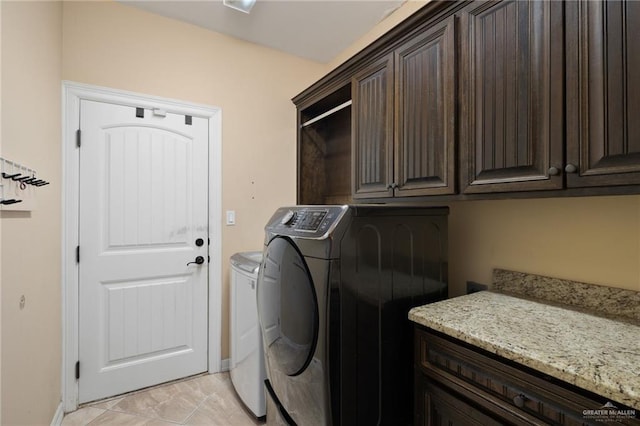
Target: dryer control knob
[288,217]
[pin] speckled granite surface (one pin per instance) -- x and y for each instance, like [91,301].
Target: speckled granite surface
[595,353]
[605,300]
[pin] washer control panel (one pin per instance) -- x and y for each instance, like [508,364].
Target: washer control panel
[306,221]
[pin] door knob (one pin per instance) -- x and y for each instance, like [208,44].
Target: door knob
[199,260]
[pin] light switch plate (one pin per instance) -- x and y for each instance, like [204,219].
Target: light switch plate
[231,217]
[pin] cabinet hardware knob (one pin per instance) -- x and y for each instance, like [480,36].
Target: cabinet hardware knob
[553,171]
[519,400]
[570,168]
[394,185]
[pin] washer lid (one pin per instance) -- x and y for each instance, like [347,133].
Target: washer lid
[248,261]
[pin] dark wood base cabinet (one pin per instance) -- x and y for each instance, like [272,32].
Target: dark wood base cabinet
[457,384]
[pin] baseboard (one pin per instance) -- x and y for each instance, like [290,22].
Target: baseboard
[224,364]
[58,416]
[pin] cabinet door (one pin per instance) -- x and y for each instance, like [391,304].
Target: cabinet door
[511,96]
[425,113]
[372,120]
[603,104]
[436,406]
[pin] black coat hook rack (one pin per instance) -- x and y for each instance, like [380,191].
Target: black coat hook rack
[18,186]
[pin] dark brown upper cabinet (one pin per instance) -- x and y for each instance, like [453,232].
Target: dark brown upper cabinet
[425,113]
[511,96]
[480,100]
[404,119]
[603,93]
[372,130]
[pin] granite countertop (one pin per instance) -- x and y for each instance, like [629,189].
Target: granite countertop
[591,351]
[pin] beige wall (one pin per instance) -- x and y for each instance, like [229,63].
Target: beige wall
[31,337]
[109,44]
[590,239]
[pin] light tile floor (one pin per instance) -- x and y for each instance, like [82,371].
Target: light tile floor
[203,400]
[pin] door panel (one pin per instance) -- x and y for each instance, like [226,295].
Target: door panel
[145,304]
[372,153]
[143,203]
[511,96]
[148,183]
[603,85]
[438,406]
[425,113]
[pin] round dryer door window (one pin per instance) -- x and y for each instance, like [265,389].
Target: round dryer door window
[288,307]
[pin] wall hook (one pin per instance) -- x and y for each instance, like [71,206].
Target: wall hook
[9,202]
[8,176]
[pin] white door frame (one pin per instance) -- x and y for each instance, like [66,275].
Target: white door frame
[72,93]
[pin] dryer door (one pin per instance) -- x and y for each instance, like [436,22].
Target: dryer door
[287,307]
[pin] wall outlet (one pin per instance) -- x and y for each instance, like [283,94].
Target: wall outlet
[473,287]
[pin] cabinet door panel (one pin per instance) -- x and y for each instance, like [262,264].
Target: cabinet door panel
[438,407]
[511,96]
[372,109]
[603,107]
[425,113]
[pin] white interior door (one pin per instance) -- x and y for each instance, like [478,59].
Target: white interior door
[143,206]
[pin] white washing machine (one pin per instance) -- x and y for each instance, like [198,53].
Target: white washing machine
[246,365]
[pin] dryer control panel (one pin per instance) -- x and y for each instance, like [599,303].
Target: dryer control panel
[306,221]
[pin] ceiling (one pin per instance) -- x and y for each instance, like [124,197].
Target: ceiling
[312,29]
